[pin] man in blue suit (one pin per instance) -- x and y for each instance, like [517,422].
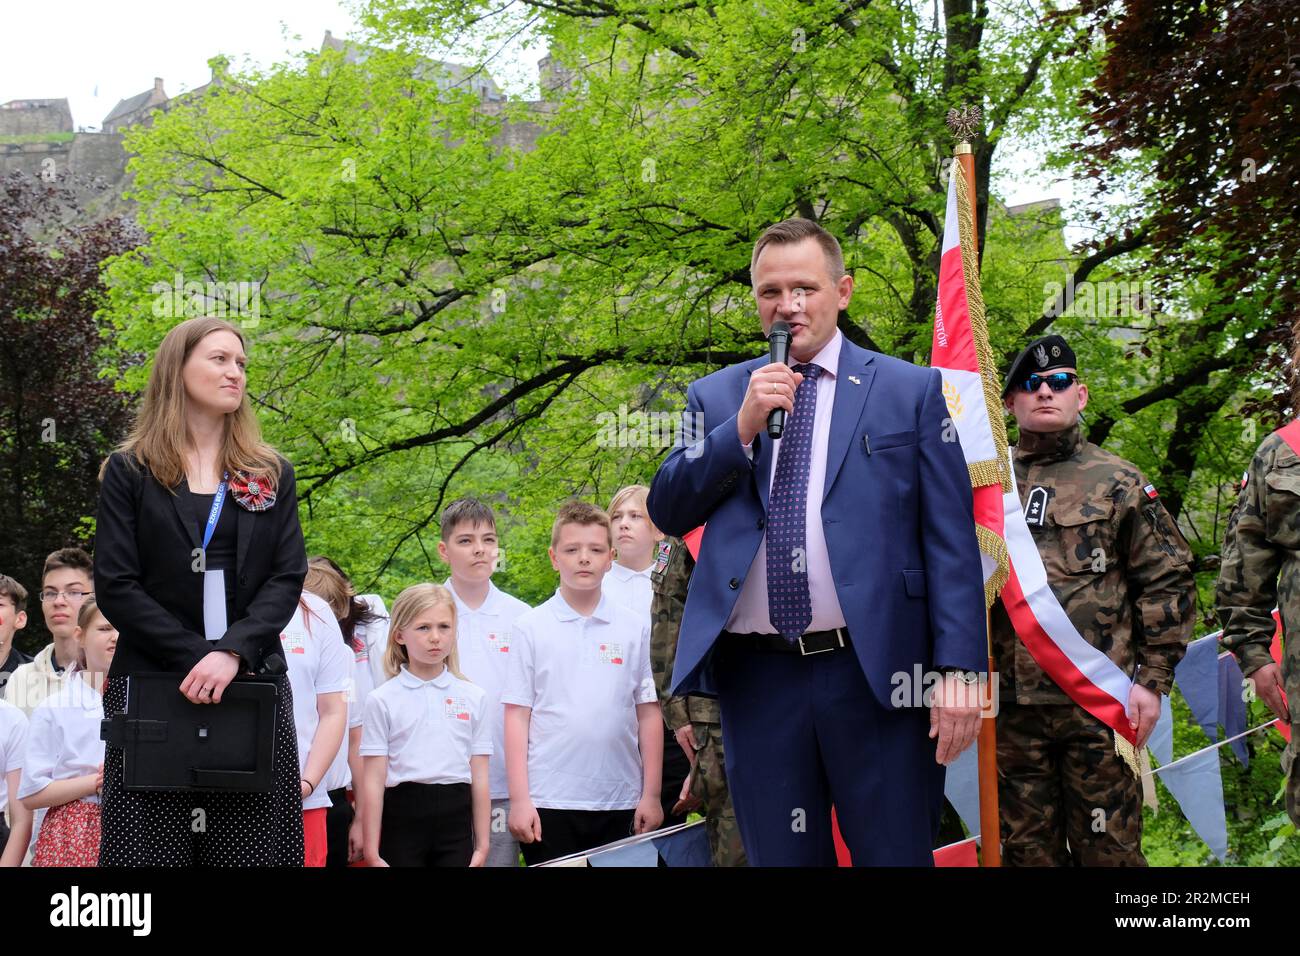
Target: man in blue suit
[839,568]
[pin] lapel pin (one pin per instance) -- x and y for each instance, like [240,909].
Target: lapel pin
[855,380]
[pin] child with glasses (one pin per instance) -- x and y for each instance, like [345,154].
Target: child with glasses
[66,581]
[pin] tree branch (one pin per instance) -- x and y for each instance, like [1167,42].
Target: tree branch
[1066,297]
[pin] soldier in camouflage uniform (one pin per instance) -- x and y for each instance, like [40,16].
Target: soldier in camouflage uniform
[1122,572]
[1260,571]
[694,720]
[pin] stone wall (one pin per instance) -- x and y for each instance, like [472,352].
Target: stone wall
[35,117]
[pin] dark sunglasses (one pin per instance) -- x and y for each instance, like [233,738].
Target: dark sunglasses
[1056,381]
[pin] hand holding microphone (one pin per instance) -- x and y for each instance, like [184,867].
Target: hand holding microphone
[770,395]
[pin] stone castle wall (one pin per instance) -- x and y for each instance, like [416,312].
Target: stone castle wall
[35,118]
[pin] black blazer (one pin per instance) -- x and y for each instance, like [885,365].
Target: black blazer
[146,586]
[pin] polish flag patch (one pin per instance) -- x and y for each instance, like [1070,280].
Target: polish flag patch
[1151,492]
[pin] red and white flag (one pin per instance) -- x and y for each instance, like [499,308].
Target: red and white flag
[970,380]
[1012,565]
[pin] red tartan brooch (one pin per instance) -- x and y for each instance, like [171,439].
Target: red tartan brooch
[252,493]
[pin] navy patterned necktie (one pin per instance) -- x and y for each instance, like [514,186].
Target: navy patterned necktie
[789,603]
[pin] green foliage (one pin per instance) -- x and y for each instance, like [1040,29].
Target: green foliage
[441,312]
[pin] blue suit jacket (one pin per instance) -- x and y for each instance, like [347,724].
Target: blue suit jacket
[899,521]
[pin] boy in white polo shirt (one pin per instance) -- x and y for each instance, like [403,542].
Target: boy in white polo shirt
[636,541]
[635,537]
[584,734]
[485,617]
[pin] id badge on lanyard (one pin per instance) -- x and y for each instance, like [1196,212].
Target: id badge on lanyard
[214,581]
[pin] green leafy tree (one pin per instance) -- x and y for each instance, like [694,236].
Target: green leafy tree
[58,417]
[444,309]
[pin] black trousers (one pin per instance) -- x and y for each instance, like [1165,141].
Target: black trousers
[338,820]
[203,828]
[427,824]
[572,831]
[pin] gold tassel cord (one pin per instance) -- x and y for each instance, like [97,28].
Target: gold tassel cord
[979,326]
[984,473]
[996,548]
[997,471]
[1149,796]
[1128,754]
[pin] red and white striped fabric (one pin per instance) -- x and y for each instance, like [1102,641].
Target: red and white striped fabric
[969,385]
[1088,676]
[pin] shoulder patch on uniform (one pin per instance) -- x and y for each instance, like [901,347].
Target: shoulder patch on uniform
[662,550]
[1036,507]
[1150,491]
[1245,478]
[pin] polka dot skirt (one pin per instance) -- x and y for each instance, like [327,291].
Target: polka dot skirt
[204,828]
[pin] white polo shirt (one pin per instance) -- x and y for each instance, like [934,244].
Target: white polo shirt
[583,677]
[63,737]
[13,745]
[428,730]
[629,588]
[339,773]
[375,637]
[318,664]
[483,643]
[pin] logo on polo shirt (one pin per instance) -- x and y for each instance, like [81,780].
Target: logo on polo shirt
[293,643]
[457,707]
[611,653]
[499,642]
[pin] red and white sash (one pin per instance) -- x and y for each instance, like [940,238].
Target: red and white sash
[1090,678]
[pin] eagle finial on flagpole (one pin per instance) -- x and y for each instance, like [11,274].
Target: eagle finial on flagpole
[964,121]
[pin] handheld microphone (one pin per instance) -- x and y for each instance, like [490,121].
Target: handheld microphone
[778,346]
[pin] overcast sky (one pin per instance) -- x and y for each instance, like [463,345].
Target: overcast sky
[95,53]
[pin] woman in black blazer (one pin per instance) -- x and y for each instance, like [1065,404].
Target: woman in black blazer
[195,432]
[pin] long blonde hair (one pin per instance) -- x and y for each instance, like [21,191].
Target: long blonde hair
[409,605]
[160,436]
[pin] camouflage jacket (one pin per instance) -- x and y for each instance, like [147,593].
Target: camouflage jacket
[1261,557]
[1114,558]
[669,579]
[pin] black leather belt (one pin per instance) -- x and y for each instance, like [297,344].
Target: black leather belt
[814,642]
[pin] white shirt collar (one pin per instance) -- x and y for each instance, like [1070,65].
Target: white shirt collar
[627,574]
[829,356]
[408,679]
[561,609]
[487,607]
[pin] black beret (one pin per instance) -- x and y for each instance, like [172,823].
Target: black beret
[1041,355]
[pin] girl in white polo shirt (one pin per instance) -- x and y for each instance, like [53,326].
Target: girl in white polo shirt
[318,674]
[342,821]
[63,768]
[425,743]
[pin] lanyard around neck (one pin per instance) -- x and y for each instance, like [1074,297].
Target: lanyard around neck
[214,514]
